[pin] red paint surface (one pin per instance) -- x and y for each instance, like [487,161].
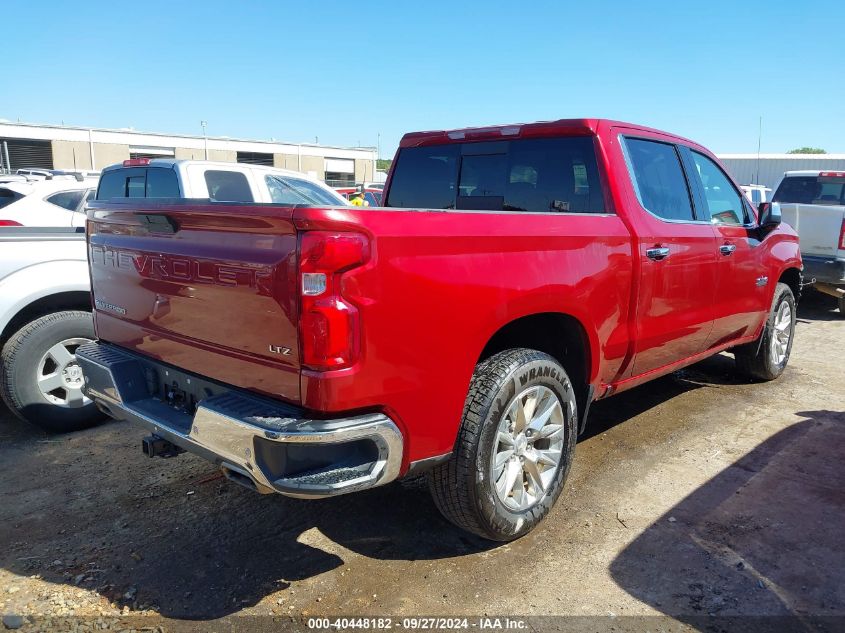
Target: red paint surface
[213,296]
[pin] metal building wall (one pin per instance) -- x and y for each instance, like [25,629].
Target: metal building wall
[745,169]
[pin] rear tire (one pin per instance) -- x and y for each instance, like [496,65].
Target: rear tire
[766,358]
[842,306]
[514,446]
[40,380]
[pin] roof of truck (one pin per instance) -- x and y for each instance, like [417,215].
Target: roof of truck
[172,162]
[524,130]
[810,172]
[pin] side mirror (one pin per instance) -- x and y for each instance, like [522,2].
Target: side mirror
[768,214]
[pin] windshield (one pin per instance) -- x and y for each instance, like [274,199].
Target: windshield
[285,190]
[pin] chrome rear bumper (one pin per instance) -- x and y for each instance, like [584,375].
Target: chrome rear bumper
[269,446]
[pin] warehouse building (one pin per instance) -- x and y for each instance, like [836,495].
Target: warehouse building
[25,145]
[768,169]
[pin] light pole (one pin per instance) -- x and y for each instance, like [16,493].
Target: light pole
[204,137]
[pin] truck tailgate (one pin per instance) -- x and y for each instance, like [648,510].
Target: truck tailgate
[818,226]
[208,287]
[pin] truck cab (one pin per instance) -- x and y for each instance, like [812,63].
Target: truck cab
[167,178]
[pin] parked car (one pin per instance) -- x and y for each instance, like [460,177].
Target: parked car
[45,314]
[517,274]
[38,201]
[214,181]
[813,203]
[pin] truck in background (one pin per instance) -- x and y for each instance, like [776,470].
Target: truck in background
[813,203]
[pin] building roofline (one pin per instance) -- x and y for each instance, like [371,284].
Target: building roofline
[170,135]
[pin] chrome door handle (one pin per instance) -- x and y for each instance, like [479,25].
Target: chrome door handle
[727,249]
[657,253]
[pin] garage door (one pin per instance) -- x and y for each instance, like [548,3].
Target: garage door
[23,153]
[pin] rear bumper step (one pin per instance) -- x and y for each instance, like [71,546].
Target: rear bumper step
[271,447]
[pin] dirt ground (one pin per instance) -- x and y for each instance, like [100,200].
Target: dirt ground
[695,495]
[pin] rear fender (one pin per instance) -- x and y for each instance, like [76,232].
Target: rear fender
[28,285]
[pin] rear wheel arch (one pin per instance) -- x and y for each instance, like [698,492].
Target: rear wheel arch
[42,306]
[562,336]
[40,380]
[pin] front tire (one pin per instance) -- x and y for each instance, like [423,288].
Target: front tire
[766,358]
[40,380]
[514,447]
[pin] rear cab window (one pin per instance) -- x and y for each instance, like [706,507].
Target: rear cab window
[557,175]
[66,199]
[821,189]
[138,182]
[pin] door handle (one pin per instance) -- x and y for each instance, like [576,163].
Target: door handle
[657,253]
[727,249]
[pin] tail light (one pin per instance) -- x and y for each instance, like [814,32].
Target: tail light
[9,223]
[329,324]
[842,237]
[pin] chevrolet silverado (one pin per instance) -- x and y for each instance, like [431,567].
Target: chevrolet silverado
[515,275]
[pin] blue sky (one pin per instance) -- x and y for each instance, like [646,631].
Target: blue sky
[347,72]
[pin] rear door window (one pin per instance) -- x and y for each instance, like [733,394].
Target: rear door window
[7,197]
[67,199]
[139,182]
[537,175]
[228,186]
[659,179]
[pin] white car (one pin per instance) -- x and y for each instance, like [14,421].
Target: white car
[59,201]
[45,314]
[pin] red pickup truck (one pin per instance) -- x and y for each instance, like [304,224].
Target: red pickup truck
[515,275]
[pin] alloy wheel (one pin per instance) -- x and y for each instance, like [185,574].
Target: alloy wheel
[529,445]
[59,376]
[781,332]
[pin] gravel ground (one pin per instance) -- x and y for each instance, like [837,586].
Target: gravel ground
[699,494]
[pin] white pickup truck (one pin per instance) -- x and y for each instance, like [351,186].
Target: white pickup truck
[214,181]
[813,203]
[45,288]
[45,314]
